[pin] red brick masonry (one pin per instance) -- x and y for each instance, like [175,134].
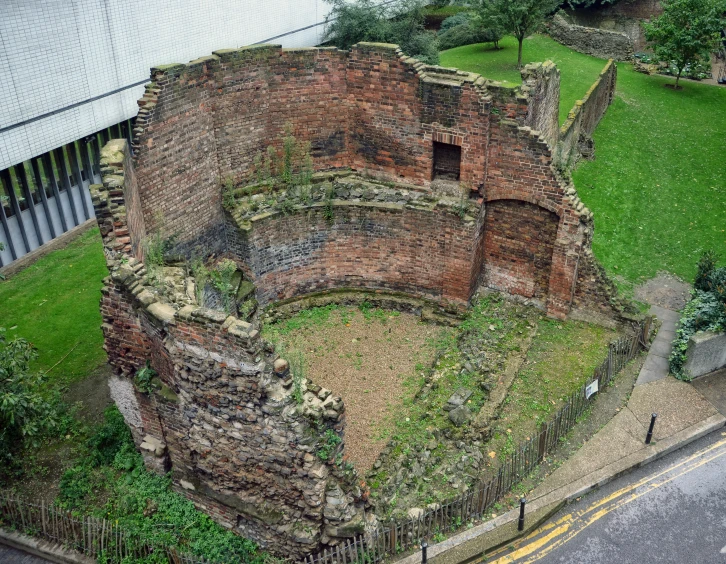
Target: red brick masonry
[235,440]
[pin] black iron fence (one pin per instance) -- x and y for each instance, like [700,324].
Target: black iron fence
[396,536]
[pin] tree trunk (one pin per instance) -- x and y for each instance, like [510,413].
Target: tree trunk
[519,54]
[680,70]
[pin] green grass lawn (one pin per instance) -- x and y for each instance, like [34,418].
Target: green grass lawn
[657,185]
[54,304]
[577,71]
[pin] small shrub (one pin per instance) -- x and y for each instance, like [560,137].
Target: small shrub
[705,312]
[109,438]
[466,34]
[286,206]
[455,20]
[143,378]
[705,267]
[26,414]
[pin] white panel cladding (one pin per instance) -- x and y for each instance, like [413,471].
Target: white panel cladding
[57,53]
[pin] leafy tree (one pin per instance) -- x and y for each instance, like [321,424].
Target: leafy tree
[686,32]
[401,22]
[588,3]
[518,17]
[25,413]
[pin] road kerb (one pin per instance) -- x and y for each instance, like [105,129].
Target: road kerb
[43,549]
[437,554]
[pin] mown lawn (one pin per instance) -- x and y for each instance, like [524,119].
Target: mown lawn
[563,356]
[577,71]
[657,185]
[54,304]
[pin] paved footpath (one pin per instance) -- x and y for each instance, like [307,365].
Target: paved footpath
[12,556]
[656,364]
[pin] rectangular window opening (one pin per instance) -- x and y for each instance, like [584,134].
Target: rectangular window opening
[447,161]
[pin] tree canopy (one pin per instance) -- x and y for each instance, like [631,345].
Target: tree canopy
[401,22]
[518,17]
[686,32]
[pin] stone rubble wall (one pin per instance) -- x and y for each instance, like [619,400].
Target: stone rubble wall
[624,16]
[585,116]
[230,431]
[593,41]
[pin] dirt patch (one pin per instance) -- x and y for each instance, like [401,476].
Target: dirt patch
[364,357]
[91,394]
[665,290]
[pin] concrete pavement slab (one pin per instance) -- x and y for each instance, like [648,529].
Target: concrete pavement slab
[713,388]
[622,436]
[678,405]
[665,315]
[668,334]
[654,368]
[647,376]
[661,347]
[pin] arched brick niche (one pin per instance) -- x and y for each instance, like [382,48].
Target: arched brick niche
[519,240]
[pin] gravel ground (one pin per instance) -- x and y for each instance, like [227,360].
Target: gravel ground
[365,362]
[665,290]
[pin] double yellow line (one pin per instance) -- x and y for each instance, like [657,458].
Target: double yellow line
[551,536]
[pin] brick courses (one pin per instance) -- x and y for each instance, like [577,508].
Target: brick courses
[227,428]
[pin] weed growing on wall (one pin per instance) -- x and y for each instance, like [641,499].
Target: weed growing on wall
[297,370]
[221,278]
[330,442]
[228,198]
[293,167]
[144,377]
[156,247]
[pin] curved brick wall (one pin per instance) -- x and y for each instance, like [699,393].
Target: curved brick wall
[377,112]
[373,245]
[229,430]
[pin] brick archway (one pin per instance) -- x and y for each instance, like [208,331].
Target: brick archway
[518,246]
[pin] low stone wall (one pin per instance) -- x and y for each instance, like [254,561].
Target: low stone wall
[585,116]
[625,16]
[591,40]
[706,353]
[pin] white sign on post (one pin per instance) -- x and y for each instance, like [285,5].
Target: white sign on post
[591,389]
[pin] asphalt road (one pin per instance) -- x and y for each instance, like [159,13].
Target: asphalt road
[672,511]
[11,556]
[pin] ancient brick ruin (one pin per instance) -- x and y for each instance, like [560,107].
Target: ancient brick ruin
[241,438]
